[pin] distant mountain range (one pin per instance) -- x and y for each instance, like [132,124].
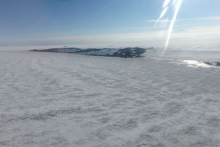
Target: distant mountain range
[128,52]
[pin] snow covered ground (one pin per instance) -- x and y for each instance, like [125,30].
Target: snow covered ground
[67,100]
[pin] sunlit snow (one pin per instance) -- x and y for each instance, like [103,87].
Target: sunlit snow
[68,100]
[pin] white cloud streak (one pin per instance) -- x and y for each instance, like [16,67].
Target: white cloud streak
[213,18]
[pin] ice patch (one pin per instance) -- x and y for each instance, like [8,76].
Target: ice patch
[194,63]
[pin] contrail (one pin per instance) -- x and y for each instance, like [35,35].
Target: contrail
[109,5]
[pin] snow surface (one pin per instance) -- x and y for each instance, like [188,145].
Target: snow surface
[68,100]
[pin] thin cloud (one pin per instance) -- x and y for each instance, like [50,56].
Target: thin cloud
[208,18]
[199,32]
[212,18]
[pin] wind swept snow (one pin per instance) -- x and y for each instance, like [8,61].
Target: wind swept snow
[66,100]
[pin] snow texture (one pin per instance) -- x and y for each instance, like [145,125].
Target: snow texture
[68,100]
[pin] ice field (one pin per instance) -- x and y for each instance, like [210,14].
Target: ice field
[68,100]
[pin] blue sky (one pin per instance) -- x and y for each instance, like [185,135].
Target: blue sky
[109,23]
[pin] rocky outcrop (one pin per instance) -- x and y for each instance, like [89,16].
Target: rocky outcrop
[213,63]
[128,52]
